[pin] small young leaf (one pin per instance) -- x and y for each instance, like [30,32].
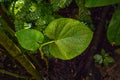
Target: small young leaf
[98,58]
[97,3]
[108,60]
[29,39]
[113,32]
[70,36]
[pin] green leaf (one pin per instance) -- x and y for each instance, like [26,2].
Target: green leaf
[19,24]
[84,14]
[70,36]
[60,4]
[98,58]
[108,60]
[113,32]
[97,3]
[29,39]
[17,6]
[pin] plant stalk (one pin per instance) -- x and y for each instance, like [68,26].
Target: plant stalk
[16,53]
[42,53]
[13,74]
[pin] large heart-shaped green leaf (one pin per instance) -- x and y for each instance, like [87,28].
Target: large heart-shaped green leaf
[70,37]
[113,32]
[97,3]
[30,39]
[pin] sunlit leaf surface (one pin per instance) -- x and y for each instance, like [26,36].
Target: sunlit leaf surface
[30,39]
[71,38]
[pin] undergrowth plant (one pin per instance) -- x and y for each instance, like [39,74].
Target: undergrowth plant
[39,28]
[103,58]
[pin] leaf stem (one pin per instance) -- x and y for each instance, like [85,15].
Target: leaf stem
[44,44]
[42,53]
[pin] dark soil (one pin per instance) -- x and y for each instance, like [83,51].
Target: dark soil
[64,70]
[9,64]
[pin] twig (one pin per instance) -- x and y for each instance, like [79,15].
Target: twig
[13,74]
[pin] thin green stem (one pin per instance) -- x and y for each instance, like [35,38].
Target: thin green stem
[13,8]
[35,60]
[42,53]
[13,74]
[44,44]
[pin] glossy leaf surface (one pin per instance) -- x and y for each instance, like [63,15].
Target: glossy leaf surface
[113,32]
[30,39]
[70,36]
[97,3]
